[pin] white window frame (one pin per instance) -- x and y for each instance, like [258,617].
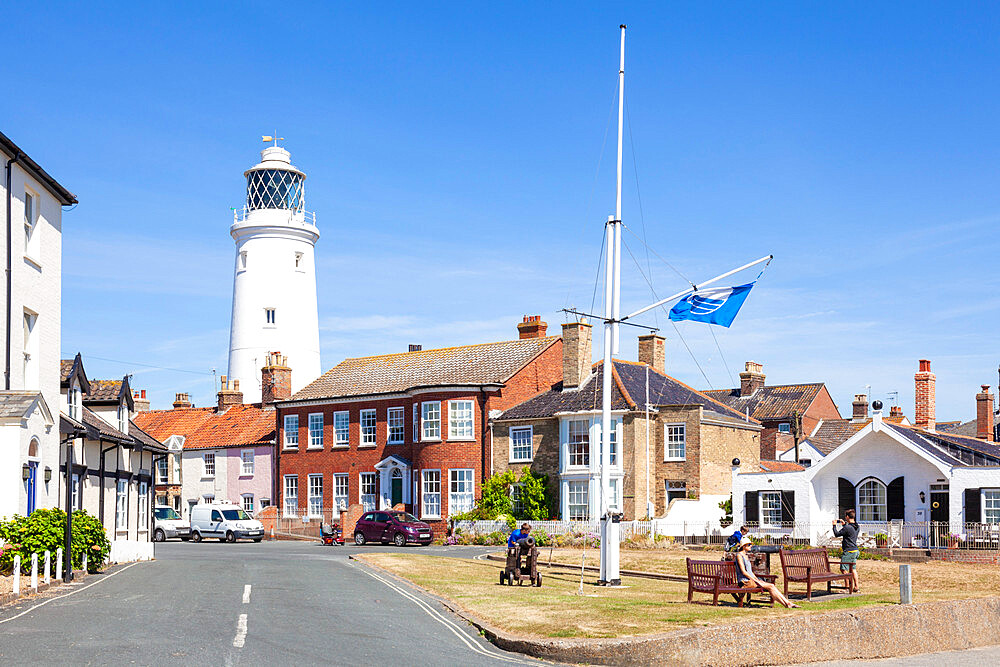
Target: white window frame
[395,426]
[32,238]
[368,423]
[430,421]
[246,462]
[314,419]
[784,427]
[314,505]
[675,441]
[674,485]
[416,422]
[769,503]
[581,446]
[123,416]
[247,497]
[291,432]
[121,505]
[461,490]
[989,503]
[517,436]
[615,423]
[430,494]
[208,461]
[864,509]
[578,490]
[342,428]
[162,470]
[290,509]
[460,426]
[341,492]
[367,481]
[74,400]
[142,507]
[270,317]
[75,504]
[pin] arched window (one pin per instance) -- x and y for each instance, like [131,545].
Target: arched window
[871,501]
[33,449]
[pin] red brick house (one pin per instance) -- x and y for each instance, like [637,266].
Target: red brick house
[408,428]
[775,407]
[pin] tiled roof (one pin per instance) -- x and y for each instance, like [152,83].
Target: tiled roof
[628,387]
[65,368]
[104,390]
[780,466]
[832,433]
[770,402]
[148,441]
[98,428]
[488,363]
[205,428]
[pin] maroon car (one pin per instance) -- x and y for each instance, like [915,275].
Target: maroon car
[399,528]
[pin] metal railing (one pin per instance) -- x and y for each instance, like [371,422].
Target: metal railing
[301,217]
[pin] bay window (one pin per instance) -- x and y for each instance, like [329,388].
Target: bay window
[579,442]
[460,416]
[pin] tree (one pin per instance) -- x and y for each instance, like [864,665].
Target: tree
[534,499]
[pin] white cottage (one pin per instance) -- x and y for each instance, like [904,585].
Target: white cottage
[891,474]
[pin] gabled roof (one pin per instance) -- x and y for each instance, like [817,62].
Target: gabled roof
[206,428]
[109,391]
[832,433]
[472,365]
[16,404]
[629,386]
[968,451]
[770,401]
[68,368]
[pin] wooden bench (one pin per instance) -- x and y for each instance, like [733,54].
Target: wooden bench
[811,566]
[718,577]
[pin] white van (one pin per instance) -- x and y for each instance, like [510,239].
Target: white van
[167,523]
[225,521]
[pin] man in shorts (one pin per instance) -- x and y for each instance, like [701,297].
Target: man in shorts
[848,529]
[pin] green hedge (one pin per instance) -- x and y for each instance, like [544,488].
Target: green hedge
[44,530]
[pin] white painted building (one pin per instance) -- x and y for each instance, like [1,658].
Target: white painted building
[274,286]
[886,472]
[29,399]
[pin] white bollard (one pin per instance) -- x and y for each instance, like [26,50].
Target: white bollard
[905,585]
[17,574]
[48,566]
[59,567]
[85,562]
[34,572]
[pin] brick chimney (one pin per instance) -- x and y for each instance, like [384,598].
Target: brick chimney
[578,353]
[653,352]
[230,394]
[182,401]
[531,327]
[984,414]
[140,401]
[751,379]
[275,379]
[924,382]
[860,413]
[896,412]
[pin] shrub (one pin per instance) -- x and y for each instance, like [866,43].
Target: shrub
[44,530]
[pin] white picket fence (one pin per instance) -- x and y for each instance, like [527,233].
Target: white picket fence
[627,528]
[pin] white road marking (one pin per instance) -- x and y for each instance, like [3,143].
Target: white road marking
[42,604]
[246,594]
[437,616]
[241,631]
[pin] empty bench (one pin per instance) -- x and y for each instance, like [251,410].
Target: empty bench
[717,577]
[811,566]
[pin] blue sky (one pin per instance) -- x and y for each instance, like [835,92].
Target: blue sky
[455,165]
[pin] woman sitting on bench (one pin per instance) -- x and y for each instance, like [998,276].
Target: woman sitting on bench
[746,578]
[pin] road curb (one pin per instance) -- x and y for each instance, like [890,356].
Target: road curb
[885,631]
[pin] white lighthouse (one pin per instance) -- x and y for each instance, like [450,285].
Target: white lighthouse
[274,282]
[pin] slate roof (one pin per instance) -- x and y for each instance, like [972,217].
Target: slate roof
[780,466]
[15,404]
[628,387]
[952,449]
[206,428]
[487,363]
[968,429]
[770,402]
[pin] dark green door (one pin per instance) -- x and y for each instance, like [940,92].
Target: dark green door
[397,490]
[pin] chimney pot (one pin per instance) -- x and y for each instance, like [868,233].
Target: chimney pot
[182,400]
[752,379]
[415,348]
[143,393]
[531,326]
[275,379]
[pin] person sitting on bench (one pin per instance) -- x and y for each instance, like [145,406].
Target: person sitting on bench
[516,535]
[746,578]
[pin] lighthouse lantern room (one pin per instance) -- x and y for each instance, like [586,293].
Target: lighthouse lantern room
[274,281]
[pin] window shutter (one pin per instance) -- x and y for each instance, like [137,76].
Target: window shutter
[787,507]
[751,507]
[846,492]
[894,499]
[973,509]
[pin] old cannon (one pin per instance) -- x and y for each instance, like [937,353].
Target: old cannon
[522,564]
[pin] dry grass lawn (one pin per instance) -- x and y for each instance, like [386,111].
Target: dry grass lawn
[644,606]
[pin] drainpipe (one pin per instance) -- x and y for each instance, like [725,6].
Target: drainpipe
[482,432]
[6,372]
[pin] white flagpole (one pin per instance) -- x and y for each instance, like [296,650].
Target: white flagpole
[610,574]
[692,289]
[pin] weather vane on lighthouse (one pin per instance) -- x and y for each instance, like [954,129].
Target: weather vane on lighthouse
[275,138]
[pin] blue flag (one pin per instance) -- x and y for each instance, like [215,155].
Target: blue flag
[713,305]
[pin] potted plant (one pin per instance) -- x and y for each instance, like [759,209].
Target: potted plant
[954,539]
[881,540]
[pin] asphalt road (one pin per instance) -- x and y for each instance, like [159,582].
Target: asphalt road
[274,602]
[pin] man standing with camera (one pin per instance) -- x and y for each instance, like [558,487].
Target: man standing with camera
[848,529]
